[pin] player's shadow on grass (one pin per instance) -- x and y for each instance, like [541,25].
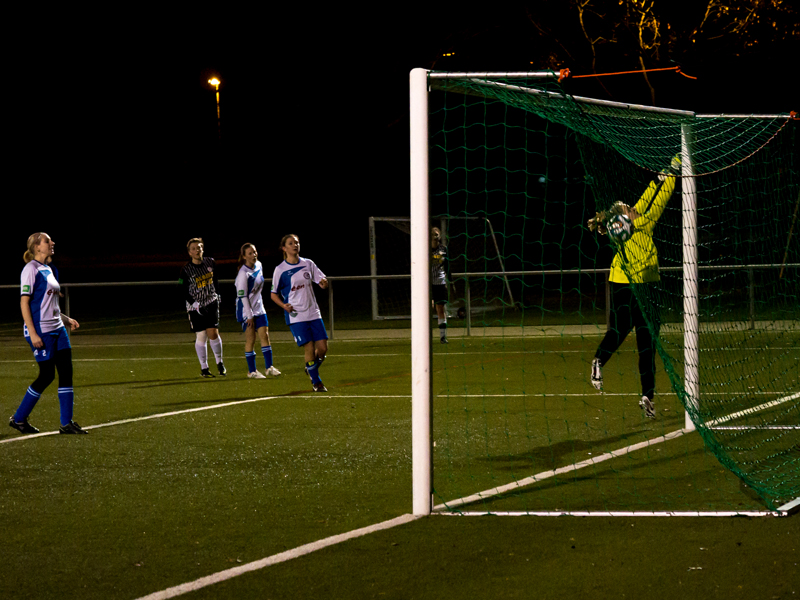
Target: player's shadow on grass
[249,397]
[661,468]
[154,383]
[545,458]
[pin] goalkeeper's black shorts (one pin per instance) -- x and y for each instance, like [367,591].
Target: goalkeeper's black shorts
[439,293]
[207,317]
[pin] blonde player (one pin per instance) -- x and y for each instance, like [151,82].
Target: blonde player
[47,335]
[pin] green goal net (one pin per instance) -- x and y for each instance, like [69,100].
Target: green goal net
[516,424]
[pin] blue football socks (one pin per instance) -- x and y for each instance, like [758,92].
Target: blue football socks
[251,361]
[27,404]
[66,397]
[267,352]
[312,368]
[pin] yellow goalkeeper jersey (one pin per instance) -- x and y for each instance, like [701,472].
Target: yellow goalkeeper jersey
[636,261]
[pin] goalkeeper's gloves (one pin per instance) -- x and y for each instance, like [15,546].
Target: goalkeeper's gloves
[598,223]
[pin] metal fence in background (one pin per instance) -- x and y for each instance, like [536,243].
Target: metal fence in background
[336,281]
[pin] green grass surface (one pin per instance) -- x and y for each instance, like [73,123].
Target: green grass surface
[229,471]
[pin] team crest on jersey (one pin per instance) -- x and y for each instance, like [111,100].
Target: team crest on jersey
[307,275]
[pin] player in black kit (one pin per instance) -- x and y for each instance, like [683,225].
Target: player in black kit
[199,284]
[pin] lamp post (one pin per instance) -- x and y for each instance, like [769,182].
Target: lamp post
[215,82]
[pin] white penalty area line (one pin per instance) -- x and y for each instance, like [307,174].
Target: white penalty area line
[185,588]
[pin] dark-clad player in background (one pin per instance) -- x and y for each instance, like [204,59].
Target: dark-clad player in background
[199,284]
[439,280]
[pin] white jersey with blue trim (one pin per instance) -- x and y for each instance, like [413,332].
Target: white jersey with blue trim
[249,283]
[40,282]
[293,284]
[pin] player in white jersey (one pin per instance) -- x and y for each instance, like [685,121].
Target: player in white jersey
[46,333]
[292,291]
[198,281]
[250,311]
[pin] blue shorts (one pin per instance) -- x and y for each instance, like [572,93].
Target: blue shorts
[308,331]
[54,341]
[260,321]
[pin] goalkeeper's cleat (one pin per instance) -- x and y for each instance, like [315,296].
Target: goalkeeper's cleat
[648,406]
[272,372]
[22,426]
[320,387]
[206,373]
[597,375]
[221,368]
[256,375]
[71,428]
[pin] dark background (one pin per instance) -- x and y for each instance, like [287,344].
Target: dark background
[111,134]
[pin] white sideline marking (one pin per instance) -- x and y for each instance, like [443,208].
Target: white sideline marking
[183,412]
[560,471]
[145,418]
[276,558]
[191,358]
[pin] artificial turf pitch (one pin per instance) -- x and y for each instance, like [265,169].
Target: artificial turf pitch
[182,477]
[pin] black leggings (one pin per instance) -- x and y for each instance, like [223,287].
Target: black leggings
[61,360]
[625,315]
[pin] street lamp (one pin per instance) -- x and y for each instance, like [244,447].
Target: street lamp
[215,82]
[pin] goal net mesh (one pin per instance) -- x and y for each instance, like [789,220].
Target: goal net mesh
[515,417]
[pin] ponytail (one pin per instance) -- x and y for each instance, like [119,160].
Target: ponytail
[33,241]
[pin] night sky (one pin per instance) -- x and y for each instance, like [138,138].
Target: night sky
[114,148]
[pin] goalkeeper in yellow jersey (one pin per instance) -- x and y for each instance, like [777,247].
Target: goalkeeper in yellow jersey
[635,264]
